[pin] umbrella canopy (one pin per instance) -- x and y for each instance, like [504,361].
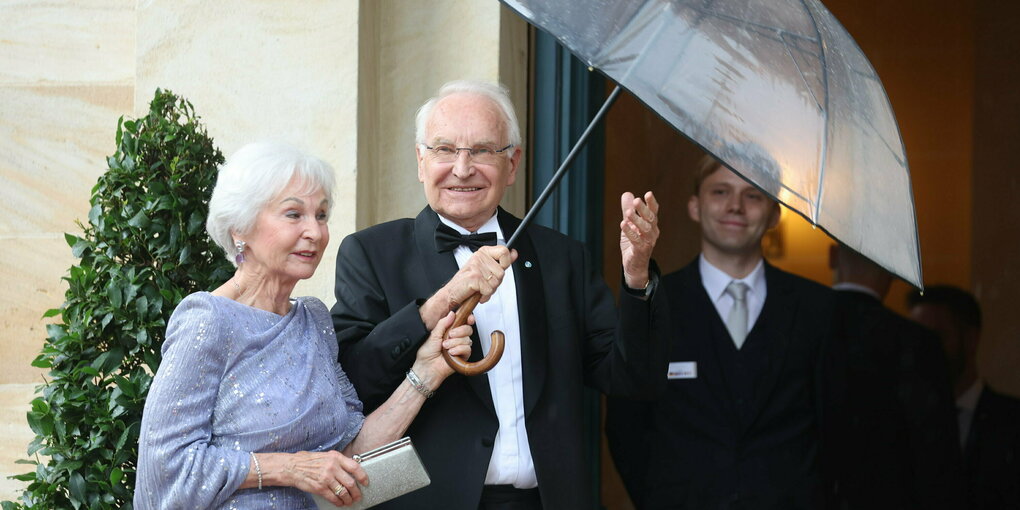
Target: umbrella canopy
[776,89]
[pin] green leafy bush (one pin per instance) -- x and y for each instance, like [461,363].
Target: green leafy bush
[143,250]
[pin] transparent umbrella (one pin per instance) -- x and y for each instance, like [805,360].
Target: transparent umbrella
[776,89]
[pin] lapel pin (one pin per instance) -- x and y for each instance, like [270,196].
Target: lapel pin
[527,263]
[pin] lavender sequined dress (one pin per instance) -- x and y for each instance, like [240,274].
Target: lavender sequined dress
[236,379]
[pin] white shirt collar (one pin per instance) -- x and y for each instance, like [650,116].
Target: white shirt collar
[856,287]
[968,400]
[716,281]
[492,225]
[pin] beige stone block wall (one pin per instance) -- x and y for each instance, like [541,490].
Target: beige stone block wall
[340,79]
[264,70]
[408,52]
[66,75]
[53,144]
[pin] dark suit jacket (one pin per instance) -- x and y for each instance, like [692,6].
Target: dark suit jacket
[700,445]
[894,442]
[569,338]
[992,453]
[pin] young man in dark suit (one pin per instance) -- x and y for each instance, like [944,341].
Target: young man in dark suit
[509,439]
[738,425]
[893,441]
[989,421]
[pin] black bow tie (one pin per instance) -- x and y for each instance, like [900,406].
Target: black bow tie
[448,239]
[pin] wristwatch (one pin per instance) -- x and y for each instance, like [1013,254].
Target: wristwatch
[653,281]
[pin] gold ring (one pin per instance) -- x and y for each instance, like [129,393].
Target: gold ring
[487,278]
[339,490]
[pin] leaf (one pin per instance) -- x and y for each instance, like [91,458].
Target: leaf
[142,306]
[106,320]
[42,361]
[52,312]
[76,483]
[94,213]
[139,220]
[113,292]
[78,250]
[132,430]
[40,406]
[196,222]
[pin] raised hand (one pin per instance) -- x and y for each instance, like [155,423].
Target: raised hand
[639,231]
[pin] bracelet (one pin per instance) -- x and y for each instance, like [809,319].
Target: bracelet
[418,385]
[258,468]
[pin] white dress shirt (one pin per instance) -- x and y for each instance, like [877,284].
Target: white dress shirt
[966,404]
[715,282]
[511,462]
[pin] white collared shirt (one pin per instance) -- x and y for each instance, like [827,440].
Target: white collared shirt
[511,462]
[715,282]
[966,404]
[856,287]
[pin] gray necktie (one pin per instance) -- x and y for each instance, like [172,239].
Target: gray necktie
[736,323]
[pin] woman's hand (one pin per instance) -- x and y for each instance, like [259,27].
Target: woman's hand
[331,475]
[429,364]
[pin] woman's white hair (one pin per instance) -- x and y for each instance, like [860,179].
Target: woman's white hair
[497,93]
[253,176]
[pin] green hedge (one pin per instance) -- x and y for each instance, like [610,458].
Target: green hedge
[143,250]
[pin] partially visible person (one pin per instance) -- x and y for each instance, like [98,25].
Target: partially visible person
[249,405]
[989,421]
[893,439]
[738,426]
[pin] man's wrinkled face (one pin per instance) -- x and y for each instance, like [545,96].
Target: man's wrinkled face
[464,190]
[734,215]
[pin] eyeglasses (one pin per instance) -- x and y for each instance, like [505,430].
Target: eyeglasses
[484,154]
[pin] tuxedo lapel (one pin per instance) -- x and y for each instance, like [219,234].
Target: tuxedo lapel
[439,268]
[530,312]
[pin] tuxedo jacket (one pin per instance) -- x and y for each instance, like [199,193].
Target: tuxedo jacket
[739,429]
[571,336]
[992,453]
[894,441]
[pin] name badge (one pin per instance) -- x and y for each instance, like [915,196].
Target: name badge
[682,370]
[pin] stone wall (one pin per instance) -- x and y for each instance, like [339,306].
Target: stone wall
[340,79]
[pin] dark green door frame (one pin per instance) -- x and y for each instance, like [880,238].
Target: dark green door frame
[565,97]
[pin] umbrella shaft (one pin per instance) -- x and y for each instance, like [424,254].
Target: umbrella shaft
[562,170]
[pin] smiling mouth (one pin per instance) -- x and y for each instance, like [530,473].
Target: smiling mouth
[732,224]
[305,254]
[464,189]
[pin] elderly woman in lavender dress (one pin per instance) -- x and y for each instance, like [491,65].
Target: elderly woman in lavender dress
[250,408]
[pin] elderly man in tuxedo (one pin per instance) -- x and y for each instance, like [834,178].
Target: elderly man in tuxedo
[511,438]
[738,426]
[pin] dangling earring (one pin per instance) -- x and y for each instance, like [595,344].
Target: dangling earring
[239,258]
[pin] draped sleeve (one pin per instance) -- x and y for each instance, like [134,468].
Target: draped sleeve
[178,467]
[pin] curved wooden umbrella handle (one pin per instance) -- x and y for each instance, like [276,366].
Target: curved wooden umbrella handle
[462,365]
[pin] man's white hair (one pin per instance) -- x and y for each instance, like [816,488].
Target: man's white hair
[253,176]
[497,93]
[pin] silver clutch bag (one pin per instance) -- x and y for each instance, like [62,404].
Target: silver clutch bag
[393,470]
